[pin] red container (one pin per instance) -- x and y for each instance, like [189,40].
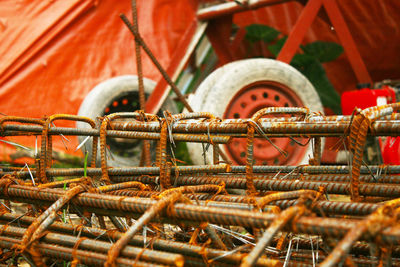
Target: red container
[366,98]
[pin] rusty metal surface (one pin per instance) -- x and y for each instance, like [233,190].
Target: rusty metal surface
[216,214]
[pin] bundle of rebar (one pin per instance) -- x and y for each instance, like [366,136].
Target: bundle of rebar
[215,214]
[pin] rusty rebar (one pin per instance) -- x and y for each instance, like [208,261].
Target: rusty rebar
[374,224]
[40,168]
[269,233]
[191,212]
[104,124]
[184,249]
[190,206]
[34,231]
[358,137]
[242,202]
[142,96]
[98,246]
[221,168]
[319,127]
[48,139]
[382,190]
[71,254]
[162,157]
[155,209]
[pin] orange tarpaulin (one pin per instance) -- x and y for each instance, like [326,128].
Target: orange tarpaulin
[52,53]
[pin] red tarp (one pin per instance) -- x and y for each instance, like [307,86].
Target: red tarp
[52,53]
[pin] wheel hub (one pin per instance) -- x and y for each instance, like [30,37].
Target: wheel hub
[244,104]
[120,146]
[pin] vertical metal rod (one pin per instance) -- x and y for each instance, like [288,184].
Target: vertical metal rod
[142,97]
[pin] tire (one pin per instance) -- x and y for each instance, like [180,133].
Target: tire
[99,102]
[197,100]
[233,81]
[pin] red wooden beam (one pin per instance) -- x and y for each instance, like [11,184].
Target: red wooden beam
[347,41]
[299,30]
[219,33]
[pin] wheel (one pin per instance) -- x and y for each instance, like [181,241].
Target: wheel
[196,101]
[119,94]
[239,89]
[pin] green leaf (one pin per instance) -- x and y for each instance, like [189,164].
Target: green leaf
[276,48]
[182,153]
[323,51]
[300,61]
[327,93]
[259,32]
[85,164]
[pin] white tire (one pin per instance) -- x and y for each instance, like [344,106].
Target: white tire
[102,97]
[226,83]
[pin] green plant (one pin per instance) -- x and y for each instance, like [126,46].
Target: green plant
[85,164]
[309,62]
[182,153]
[64,215]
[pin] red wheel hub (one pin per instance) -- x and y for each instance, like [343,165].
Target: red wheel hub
[244,104]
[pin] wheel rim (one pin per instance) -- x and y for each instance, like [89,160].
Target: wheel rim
[244,104]
[119,146]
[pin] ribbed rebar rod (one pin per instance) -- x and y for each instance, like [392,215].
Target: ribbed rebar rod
[190,212]
[380,127]
[379,190]
[142,96]
[159,244]
[85,257]
[122,171]
[148,215]
[382,190]
[372,225]
[324,169]
[307,256]
[97,246]
[358,248]
[228,127]
[9,130]
[46,218]
[381,178]
[221,201]
[202,169]
[242,202]
[372,178]
[334,207]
